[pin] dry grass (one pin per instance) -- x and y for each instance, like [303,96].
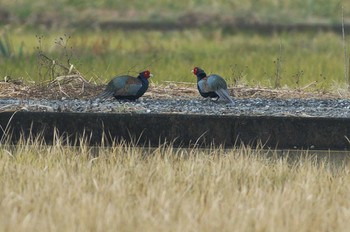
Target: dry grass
[126,188]
[75,87]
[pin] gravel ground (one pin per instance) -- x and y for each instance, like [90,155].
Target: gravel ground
[336,108]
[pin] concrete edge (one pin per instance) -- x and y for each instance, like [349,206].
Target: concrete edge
[182,130]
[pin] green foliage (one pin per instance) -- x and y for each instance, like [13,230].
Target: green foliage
[6,48]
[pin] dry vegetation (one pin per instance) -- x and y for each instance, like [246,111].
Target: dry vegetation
[126,188]
[75,86]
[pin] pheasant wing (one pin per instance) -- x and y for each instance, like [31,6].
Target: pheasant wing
[203,86]
[126,86]
[216,82]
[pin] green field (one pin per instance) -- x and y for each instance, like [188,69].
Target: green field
[287,11]
[293,59]
[273,60]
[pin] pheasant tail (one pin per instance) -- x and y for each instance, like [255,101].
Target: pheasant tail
[104,94]
[223,94]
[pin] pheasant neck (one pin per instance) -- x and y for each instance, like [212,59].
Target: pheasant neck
[143,80]
[201,75]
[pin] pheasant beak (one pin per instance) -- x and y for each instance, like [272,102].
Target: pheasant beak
[150,75]
[192,71]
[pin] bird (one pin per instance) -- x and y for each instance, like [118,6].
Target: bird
[213,86]
[127,87]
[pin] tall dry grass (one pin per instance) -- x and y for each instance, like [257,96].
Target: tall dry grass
[126,188]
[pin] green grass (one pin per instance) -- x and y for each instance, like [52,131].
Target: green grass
[289,58]
[126,188]
[288,11]
[248,57]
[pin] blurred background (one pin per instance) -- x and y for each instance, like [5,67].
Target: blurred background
[271,43]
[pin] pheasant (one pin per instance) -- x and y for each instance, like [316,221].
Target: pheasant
[213,86]
[127,87]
